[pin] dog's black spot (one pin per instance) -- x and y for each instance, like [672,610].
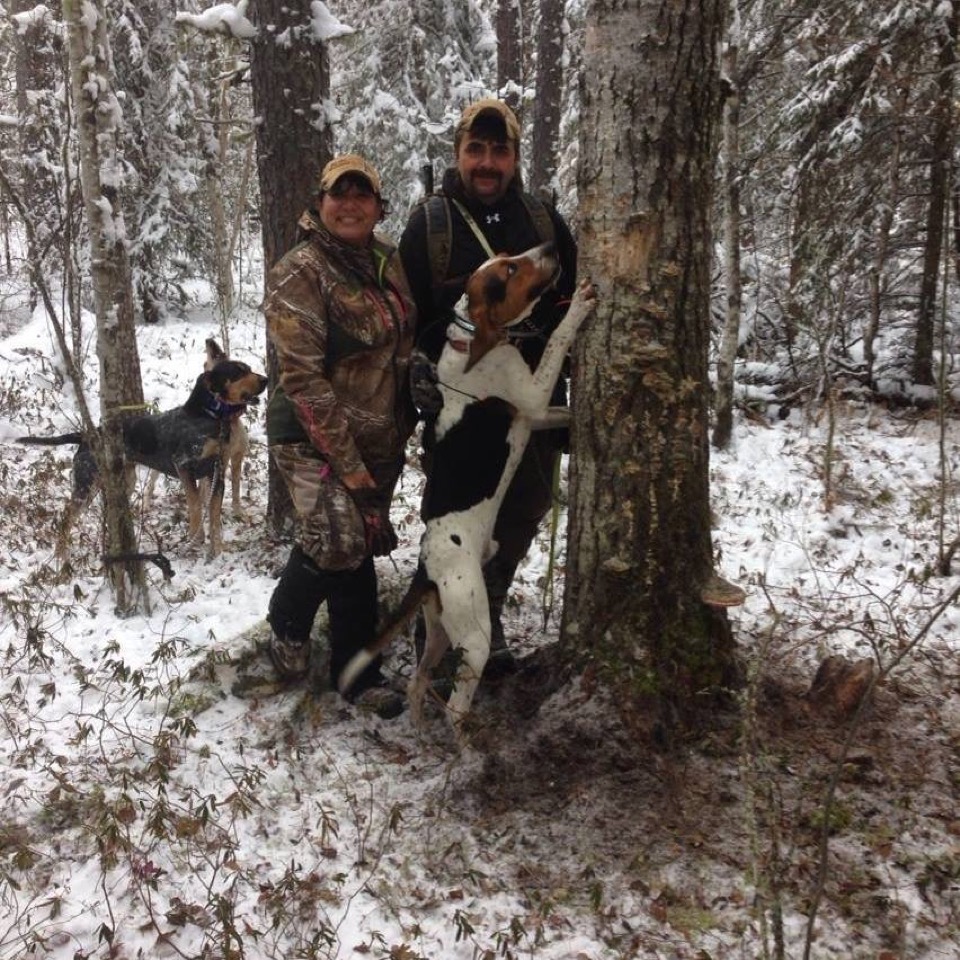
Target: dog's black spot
[468,461]
[456,539]
[494,290]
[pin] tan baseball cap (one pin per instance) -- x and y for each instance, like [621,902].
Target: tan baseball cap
[349,163]
[488,107]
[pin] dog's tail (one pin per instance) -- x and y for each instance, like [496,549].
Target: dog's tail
[60,441]
[417,592]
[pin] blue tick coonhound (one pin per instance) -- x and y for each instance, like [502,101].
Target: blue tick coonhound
[191,442]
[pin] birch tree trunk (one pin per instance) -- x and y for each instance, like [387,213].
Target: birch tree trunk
[639,565]
[98,126]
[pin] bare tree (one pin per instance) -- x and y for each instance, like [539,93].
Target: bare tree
[98,126]
[941,152]
[545,143]
[726,356]
[291,85]
[38,50]
[510,51]
[643,605]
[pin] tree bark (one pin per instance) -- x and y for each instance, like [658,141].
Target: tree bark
[37,68]
[290,75]
[640,555]
[878,267]
[941,152]
[98,126]
[727,354]
[546,109]
[509,52]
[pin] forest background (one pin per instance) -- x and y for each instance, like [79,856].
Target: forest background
[837,226]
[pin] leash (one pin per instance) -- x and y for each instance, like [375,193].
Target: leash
[166,568]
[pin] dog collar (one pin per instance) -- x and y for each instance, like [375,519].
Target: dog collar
[461,344]
[221,410]
[464,323]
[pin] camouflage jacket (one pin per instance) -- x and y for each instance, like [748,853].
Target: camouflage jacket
[341,320]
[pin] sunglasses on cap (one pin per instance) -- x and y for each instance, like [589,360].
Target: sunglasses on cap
[347,185]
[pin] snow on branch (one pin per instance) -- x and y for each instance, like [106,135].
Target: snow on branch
[39,14]
[227,18]
[325,25]
[231,18]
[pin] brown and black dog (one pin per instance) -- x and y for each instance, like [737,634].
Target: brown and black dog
[191,442]
[238,444]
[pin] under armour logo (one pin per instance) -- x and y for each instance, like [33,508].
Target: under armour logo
[493,218]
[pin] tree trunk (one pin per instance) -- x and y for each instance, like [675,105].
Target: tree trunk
[98,119]
[639,556]
[37,66]
[546,109]
[220,233]
[509,53]
[878,267]
[727,355]
[290,76]
[941,151]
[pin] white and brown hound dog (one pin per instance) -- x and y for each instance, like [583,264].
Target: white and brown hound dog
[491,401]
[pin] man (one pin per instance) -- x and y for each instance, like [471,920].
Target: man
[480,210]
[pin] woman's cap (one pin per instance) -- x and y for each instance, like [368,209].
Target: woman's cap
[351,163]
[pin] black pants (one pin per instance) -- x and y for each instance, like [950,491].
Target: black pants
[351,597]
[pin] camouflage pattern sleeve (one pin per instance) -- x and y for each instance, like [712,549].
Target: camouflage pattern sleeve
[297,327]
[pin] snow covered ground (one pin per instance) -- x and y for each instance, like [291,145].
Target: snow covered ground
[157,802]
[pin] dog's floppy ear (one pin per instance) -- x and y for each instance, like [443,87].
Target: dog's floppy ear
[484,340]
[483,295]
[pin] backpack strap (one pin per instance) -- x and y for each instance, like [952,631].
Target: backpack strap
[540,216]
[474,229]
[439,236]
[440,229]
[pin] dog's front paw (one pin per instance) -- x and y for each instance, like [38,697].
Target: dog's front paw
[586,290]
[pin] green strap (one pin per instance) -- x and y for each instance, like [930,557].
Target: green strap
[472,224]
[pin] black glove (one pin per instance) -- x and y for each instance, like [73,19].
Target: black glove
[423,384]
[381,537]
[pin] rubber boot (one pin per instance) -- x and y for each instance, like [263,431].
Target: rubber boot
[302,587]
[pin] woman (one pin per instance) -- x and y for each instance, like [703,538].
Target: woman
[341,319]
